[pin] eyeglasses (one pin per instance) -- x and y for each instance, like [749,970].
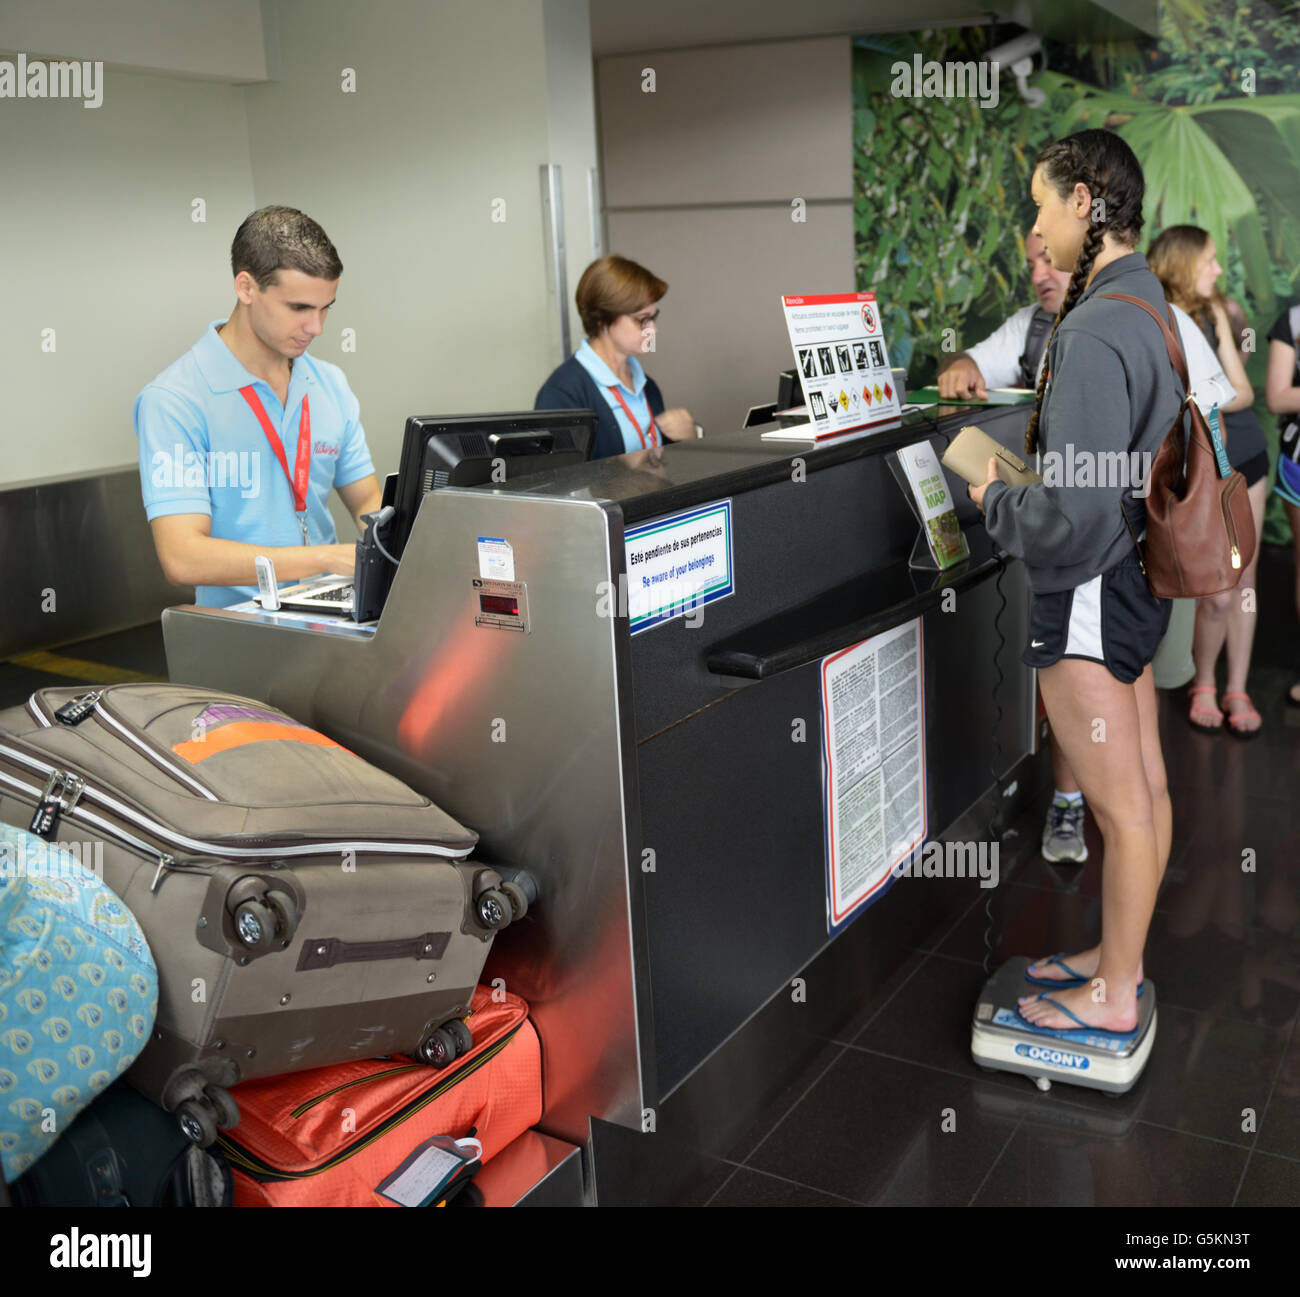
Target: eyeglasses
[644,319]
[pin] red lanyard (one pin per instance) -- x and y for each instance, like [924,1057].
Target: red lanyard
[654,434]
[302,463]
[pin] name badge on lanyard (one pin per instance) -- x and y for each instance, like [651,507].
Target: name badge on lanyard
[301,474]
[652,431]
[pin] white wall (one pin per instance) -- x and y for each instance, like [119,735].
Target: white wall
[449,115]
[457,104]
[99,246]
[181,37]
[571,128]
[699,179]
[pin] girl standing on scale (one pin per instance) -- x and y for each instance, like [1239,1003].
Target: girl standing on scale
[1108,390]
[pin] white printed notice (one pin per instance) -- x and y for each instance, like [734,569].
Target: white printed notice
[839,352]
[677,564]
[873,757]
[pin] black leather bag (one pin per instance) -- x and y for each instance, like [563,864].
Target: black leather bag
[124,1151]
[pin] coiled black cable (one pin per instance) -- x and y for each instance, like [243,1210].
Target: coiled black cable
[995,826]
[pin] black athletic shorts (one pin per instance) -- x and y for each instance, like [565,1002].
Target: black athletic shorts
[1113,619]
[1254,468]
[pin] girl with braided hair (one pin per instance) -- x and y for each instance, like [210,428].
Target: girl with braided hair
[1105,401]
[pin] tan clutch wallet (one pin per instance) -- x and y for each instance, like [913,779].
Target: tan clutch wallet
[968,456]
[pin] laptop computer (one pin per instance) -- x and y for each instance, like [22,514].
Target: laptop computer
[324,594]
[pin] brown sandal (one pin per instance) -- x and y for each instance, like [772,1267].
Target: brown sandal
[1196,711]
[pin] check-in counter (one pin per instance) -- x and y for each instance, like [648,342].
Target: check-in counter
[653,782]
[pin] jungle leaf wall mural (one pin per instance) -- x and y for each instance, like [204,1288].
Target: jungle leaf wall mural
[942,184]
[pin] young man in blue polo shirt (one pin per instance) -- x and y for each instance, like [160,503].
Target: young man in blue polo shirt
[243,438]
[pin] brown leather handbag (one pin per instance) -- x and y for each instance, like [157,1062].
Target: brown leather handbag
[1200,528]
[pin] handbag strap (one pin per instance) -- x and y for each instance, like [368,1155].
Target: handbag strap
[1179,362]
[1136,545]
[1172,345]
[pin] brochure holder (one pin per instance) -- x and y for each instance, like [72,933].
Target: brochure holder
[921,558]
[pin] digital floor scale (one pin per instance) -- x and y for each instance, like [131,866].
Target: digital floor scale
[1001,1041]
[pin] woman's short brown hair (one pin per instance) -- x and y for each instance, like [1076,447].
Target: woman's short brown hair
[614,286]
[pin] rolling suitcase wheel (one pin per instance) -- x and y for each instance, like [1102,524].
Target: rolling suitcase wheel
[286,914]
[197,1122]
[255,926]
[438,1048]
[460,1033]
[493,909]
[518,899]
[225,1109]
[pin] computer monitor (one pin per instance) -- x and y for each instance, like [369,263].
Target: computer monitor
[463,449]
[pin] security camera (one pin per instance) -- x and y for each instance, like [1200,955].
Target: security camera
[1018,55]
[1014,51]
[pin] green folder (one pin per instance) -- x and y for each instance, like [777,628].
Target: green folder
[930,396]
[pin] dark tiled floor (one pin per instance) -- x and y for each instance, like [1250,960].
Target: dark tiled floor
[1215,1120]
[893,1111]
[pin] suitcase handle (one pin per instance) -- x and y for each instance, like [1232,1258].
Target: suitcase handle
[325,952]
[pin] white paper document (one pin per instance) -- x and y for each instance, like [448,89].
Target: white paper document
[873,758]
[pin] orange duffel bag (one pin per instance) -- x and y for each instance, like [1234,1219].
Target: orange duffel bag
[360,1134]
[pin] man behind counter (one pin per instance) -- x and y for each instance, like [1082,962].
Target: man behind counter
[1012,355]
[239,445]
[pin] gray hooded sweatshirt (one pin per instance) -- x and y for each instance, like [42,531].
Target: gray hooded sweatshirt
[1111,398]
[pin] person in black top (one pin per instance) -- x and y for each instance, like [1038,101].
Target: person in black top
[1282,392]
[1184,260]
[618,302]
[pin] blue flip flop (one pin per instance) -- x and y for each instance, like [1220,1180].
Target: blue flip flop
[1068,983]
[1075,979]
[1072,1033]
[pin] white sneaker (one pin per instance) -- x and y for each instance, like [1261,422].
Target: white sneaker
[1063,832]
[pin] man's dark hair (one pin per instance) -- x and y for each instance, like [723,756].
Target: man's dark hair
[282,238]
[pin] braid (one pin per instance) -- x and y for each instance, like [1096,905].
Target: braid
[1100,160]
[1092,245]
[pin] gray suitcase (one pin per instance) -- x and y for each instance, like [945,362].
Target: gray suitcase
[303,907]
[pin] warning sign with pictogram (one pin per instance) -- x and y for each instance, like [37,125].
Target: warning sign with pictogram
[843,327]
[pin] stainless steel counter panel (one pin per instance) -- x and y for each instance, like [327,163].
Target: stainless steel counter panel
[84,538]
[526,738]
[532,1171]
[598,723]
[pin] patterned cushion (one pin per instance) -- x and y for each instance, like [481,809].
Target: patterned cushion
[78,991]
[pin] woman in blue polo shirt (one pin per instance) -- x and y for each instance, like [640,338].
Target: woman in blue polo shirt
[618,303]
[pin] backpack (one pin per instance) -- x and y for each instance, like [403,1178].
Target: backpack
[1200,529]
